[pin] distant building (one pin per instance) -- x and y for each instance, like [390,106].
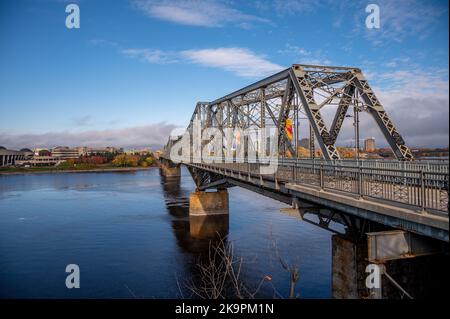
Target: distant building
[40,161]
[369,145]
[142,152]
[103,150]
[63,152]
[27,152]
[86,151]
[157,154]
[41,152]
[82,150]
[304,142]
[9,157]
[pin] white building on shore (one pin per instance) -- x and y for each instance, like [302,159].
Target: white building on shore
[9,157]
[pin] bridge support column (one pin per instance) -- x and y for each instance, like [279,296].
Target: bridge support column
[203,203]
[348,268]
[420,277]
[170,170]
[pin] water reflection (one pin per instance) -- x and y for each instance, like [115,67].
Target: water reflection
[194,234]
[199,236]
[134,229]
[208,227]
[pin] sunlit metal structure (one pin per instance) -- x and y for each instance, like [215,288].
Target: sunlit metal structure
[297,92]
[404,194]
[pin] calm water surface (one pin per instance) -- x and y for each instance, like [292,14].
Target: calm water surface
[130,235]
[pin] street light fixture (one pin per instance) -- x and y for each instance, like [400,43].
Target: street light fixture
[355,117]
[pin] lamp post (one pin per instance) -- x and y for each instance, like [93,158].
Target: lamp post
[356,125]
[356,130]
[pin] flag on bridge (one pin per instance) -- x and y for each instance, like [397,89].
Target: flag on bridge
[236,141]
[289,129]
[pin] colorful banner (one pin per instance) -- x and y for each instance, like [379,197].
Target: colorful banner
[236,141]
[289,129]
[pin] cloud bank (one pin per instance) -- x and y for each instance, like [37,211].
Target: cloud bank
[417,102]
[152,135]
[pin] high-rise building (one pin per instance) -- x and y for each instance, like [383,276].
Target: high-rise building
[369,145]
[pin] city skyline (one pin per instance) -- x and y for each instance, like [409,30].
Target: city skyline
[117,80]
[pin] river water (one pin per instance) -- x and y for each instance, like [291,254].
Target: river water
[131,237]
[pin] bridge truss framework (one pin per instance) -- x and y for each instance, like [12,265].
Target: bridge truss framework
[297,92]
[407,195]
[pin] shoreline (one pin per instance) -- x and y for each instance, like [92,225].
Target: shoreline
[94,170]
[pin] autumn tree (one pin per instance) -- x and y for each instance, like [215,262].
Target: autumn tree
[126,160]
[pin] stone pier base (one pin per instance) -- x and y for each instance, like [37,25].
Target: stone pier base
[170,171]
[208,203]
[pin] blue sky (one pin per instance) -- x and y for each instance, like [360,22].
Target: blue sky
[136,68]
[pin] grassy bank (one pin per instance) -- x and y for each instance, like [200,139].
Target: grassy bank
[81,169]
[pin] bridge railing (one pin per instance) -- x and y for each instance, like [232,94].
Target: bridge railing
[418,186]
[428,166]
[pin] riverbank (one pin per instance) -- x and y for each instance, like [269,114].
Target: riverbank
[21,171]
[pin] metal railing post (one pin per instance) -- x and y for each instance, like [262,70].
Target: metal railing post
[321,176]
[360,184]
[422,191]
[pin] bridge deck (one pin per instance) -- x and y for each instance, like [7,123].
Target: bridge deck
[412,200]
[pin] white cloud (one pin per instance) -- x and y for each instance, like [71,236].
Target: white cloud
[150,55]
[405,18]
[304,56]
[418,101]
[210,13]
[296,50]
[242,62]
[396,62]
[413,83]
[315,61]
[289,7]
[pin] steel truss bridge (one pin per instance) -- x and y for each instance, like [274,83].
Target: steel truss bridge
[402,194]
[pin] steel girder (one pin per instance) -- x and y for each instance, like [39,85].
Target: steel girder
[204,179]
[377,111]
[305,89]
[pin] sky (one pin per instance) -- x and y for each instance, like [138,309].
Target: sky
[135,69]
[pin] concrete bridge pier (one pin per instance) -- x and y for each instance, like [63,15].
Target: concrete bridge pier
[349,261]
[208,214]
[202,203]
[420,276]
[170,169]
